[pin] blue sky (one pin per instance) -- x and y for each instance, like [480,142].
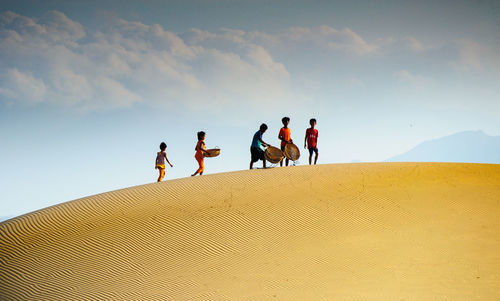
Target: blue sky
[88,89]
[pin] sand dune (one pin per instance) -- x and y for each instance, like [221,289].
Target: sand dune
[387,231]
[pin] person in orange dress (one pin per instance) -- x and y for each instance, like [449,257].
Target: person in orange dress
[285,136]
[160,161]
[200,150]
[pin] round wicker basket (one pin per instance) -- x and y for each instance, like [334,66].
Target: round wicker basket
[273,154]
[292,152]
[213,152]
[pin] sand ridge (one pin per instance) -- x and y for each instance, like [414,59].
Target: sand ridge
[342,231]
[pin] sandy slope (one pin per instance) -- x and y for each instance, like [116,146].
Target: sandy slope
[374,231]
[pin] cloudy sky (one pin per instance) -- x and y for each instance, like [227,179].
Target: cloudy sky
[88,89]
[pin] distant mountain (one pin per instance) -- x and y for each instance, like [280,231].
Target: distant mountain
[469,146]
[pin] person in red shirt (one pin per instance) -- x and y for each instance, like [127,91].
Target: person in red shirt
[285,136]
[312,140]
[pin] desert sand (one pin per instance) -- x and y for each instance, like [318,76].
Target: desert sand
[378,231]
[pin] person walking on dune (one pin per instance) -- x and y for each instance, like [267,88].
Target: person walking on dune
[200,150]
[255,149]
[160,161]
[285,136]
[312,141]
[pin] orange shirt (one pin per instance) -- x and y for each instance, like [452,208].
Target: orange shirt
[199,146]
[285,134]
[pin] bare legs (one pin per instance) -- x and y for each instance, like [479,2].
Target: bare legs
[286,162]
[263,164]
[197,172]
[315,158]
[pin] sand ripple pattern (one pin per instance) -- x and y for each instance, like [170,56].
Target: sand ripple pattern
[380,231]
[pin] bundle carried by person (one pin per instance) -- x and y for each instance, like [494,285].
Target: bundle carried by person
[213,152]
[273,154]
[291,152]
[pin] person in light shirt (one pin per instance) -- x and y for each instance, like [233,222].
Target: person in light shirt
[160,161]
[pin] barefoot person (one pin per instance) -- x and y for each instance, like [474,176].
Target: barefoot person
[285,136]
[312,141]
[160,161]
[255,149]
[200,150]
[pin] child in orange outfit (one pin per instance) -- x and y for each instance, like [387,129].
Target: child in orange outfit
[200,150]
[285,136]
[160,161]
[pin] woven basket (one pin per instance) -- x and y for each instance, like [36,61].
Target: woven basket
[213,152]
[273,154]
[292,152]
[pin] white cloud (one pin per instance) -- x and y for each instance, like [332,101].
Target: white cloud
[60,28]
[132,62]
[24,26]
[196,36]
[347,40]
[470,54]
[323,37]
[109,88]
[326,37]
[414,44]
[475,58]
[23,86]
[56,60]
[69,87]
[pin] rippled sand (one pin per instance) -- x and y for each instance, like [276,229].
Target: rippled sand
[386,231]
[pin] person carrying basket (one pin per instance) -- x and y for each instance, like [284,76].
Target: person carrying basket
[200,151]
[255,149]
[285,137]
